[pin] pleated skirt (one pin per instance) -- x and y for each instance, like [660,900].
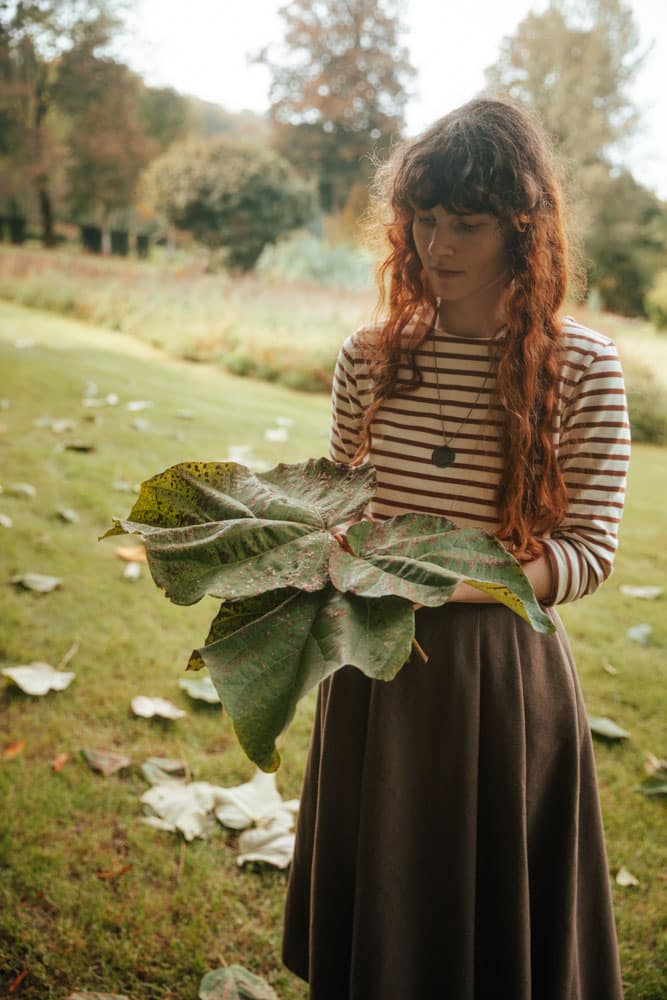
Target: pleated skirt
[449,841]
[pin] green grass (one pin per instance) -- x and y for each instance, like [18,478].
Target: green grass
[179,910]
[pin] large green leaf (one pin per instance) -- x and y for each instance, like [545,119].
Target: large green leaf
[262,669]
[317,492]
[271,533]
[234,559]
[422,558]
[296,606]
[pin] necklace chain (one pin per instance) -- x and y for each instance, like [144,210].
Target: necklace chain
[444,455]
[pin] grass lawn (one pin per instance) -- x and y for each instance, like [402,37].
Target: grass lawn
[170,912]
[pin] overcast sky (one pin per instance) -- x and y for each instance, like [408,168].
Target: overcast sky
[200,47]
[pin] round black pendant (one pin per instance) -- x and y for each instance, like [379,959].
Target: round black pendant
[443,456]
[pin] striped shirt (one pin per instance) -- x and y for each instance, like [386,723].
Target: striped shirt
[591,431]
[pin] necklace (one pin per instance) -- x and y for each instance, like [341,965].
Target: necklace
[443,455]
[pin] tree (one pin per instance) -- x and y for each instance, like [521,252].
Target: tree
[229,194]
[573,65]
[107,145]
[338,88]
[34,34]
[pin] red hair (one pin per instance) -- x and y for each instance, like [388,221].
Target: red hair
[487,156]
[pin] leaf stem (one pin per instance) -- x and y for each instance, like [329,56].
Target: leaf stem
[420,652]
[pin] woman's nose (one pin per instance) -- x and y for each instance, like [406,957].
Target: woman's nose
[441,243]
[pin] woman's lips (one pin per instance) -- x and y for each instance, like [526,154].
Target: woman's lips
[445,272]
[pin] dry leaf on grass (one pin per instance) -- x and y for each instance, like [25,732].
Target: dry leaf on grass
[148,707]
[640,633]
[130,553]
[107,762]
[82,446]
[132,572]
[58,763]
[39,678]
[604,727]
[202,689]
[113,873]
[234,983]
[22,490]
[646,593]
[12,750]
[41,583]
[68,515]
[78,995]
[626,878]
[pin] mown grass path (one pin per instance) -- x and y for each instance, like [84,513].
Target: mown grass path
[152,931]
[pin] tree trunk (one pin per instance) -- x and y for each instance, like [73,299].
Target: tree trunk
[46,213]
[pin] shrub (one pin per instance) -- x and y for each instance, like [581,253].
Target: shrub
[647,403]
[656,301]
[304,256]
[228,195]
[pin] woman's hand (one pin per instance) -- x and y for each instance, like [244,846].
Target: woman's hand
[339,531]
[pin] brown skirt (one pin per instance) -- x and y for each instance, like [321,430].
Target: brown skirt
[449,842]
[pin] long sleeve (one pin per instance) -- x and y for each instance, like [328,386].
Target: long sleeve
[346,407]
[594,450]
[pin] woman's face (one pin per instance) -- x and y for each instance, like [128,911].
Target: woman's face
[462,255]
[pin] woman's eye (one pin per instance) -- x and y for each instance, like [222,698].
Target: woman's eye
[469,227]
[426,220]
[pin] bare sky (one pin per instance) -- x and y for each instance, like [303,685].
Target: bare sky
[200,47]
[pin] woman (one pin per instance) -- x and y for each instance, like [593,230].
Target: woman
[450,843]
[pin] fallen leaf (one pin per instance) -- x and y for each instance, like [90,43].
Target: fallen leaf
[245,804]
[122,486]
[39,678]
[276,434]
[626,878]
[640,633]
[148,707]
[234,983]
[180,808]
[19,979]
[59,425]
[38,582]
[653,764]
[112,399]
[6,521]
[141,424]
[130,553]
[271,843]
[114,872]
[59,762]
[202,689]
[12,750]
[604,727]
[78,995]
[83,446]
[158,769]
[22,490]
[107,762]
[284,421]
[136,405]
[68,515]
[132,572]
[647,593]
[610,668]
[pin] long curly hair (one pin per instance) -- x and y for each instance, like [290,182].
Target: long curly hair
[486,156]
